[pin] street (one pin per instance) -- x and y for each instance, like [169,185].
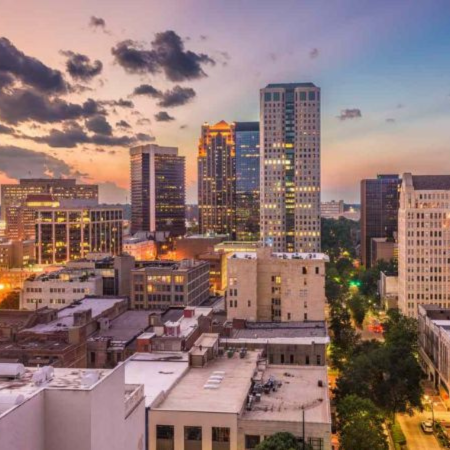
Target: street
[416,439]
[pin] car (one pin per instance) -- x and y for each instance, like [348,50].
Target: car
[427,426]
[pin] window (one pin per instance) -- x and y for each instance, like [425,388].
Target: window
[305,316]
[303,96]
[220,438]
[317,271]
[267,96]
[289,316]
[304,271]
[276,96]
[249,303]
[307,360]
[311,96]
[282,358]
[291,359]
[192,438]
[251,441]
[165,437]
[318,360]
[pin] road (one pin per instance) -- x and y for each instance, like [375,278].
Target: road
[416,439]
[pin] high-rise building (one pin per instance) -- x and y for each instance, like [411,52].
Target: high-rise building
[217,179]
[158,189]
[69,230]
[290,167]
[19,222]
[379,211]
[423,238]
[247,180]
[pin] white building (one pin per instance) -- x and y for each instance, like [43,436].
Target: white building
[290,166]
[140,246]
[70,409]
[266,286]
[332,209]
[423,242]
[60,288]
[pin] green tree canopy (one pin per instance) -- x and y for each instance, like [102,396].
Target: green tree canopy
[281,441]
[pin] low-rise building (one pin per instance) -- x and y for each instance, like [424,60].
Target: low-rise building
[70,409]
[141,246]
[267,286]
[383,249]
[388,290]
[60,288]
[332,209]
[235,400]
[161,284]
[16,254]
[290,343]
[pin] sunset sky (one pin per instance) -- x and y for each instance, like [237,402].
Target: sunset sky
[81,82]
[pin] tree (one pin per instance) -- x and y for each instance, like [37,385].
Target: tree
[282,441]
[358,306]
[360,425]
[11,300]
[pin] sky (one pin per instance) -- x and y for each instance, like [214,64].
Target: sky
[79,85]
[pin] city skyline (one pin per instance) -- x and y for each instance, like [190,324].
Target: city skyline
[381,67]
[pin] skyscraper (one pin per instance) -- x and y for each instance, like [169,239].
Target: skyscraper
[158,189]
[290,167]
[379,211]
[247,180]
[217,179]
[423,238]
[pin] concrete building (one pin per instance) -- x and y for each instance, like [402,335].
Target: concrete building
[230,247]
[16,254]
[423,238]
[379,211]
[434,347]
[266,286]
[161,284]
[70,409]
[332,209]
[289,343]
[234,401]
[60,288]
[13,197]
[70,229]
[59,338]
[383,249]
[290,167]
[141,246]
[158,190]
[388,289]
[217,179]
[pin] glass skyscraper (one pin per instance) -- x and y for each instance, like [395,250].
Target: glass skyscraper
[247,180]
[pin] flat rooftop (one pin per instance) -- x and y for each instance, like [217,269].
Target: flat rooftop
[299,389]
[190,394]
[435,312]
[165,265]
[68,275]
[158,372]
[65,316]
[305,256]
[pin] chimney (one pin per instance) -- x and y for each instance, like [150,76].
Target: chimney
[189,311]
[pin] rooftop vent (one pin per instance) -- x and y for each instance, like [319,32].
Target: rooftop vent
[11,370]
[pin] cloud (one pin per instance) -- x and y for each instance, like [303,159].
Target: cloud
[110,193]
[203,37]
[353,113]
[6,130]
[143,121]
[98,124]
[16,161]
[123,124]
[22,105]
[121,103]
[400,105]
[390,120]
[183,127]
[80,67]
[173,97]
[97,22]
[5,80]
[314,53]
[29,70]
[144,137]
[167,55]
[162,116]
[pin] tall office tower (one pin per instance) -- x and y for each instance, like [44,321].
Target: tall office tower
[19,224]
[379,211]
[423,242]
[158,190]
[216,179]
[247,181]
[290,167]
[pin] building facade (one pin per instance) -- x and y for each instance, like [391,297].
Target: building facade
[332,209]
[379,211]
[161,284]
[283,287]
[290,167]
[423,239]
[158,190]
[70,230]
[247,180]
[217,179]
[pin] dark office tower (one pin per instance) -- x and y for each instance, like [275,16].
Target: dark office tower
[379,211]
[158,190]
[216,179]
[247,180]
[290,167]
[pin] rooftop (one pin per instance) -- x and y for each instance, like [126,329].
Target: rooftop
[431,182]
[156,371]
[176,316]
[67,274]
[297,256]
[184,265]
[299,389]
[291,85]
[65,316]
[190,393]
[435,312]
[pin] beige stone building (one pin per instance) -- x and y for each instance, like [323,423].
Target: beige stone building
[267,286]
[423,241]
